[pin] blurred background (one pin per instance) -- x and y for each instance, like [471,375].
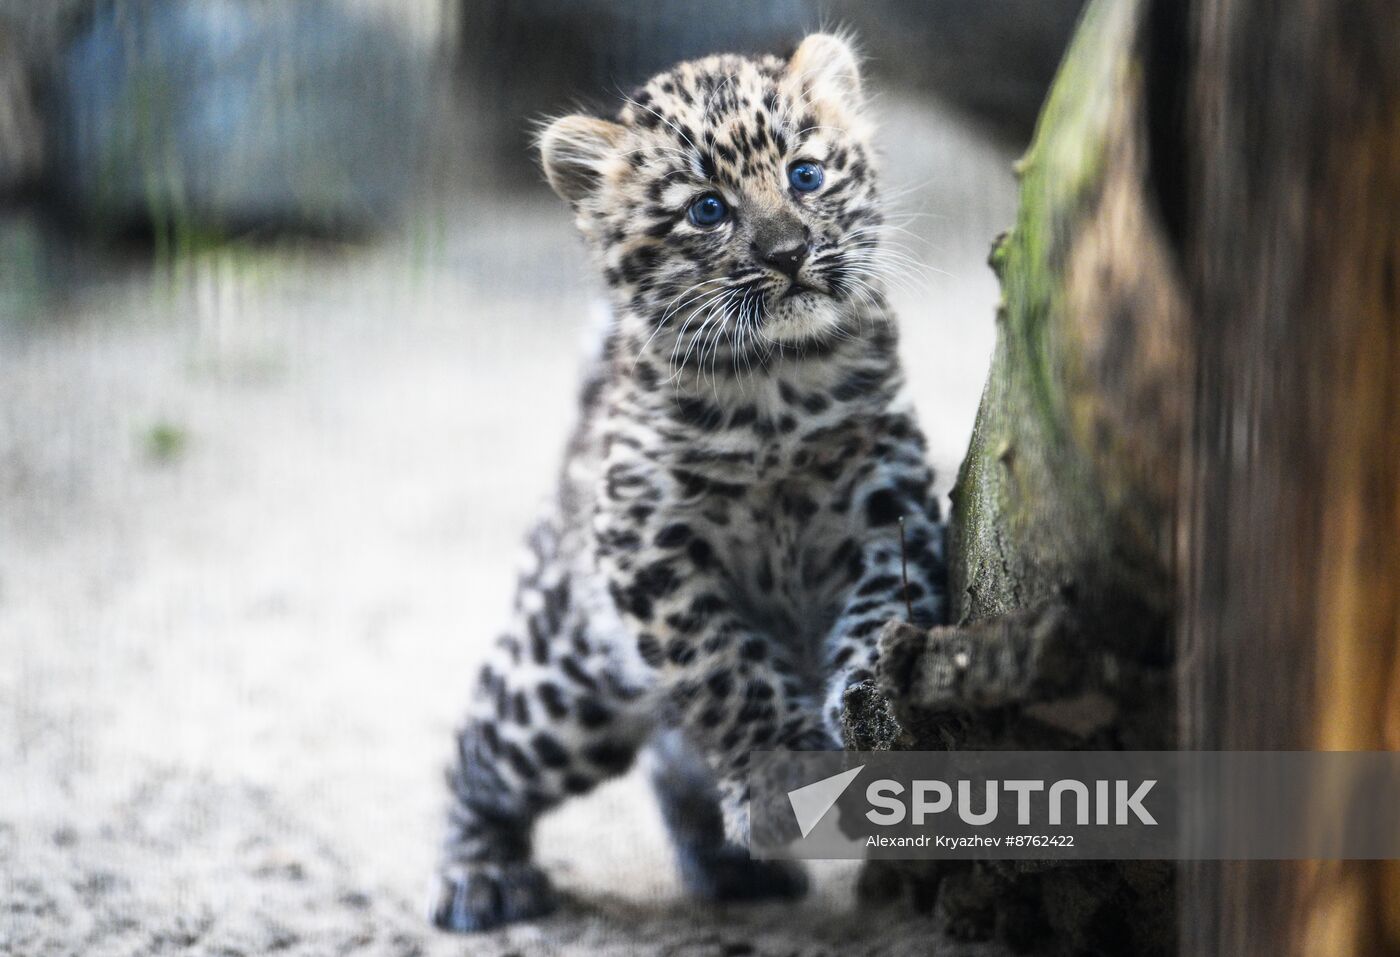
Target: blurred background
[290,331]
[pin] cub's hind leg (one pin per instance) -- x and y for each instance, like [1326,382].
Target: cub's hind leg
[711,867]
[551,717]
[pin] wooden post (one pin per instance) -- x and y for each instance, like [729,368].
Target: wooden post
[1290,592]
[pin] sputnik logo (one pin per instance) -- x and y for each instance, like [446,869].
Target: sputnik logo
[811,802]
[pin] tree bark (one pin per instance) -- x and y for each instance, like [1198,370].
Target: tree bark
[1178,522]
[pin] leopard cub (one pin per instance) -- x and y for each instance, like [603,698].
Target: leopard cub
[725,542]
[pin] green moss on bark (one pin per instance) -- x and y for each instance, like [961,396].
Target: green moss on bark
[1029,516]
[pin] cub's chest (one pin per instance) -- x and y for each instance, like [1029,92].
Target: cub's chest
[780,549]
[771,464]
[781,499]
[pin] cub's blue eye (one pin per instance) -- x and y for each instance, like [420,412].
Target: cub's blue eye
[708,210]
[805,177]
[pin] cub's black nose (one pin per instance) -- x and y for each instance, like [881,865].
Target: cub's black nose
[780,241]
[787,261]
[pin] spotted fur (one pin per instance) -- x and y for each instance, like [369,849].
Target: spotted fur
[725,544]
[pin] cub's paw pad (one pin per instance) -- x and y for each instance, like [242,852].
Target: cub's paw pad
[477,897]
[729,874]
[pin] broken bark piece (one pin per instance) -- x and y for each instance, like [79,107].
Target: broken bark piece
[1010,659]
[869,722]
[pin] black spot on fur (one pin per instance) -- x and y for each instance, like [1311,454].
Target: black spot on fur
[699,413]
[754,649]
[859,382]
[694,485]
[700,552]
[657,580]
[553,699]
[611,757]
[861,607]
[673,535]
[882,507]
[720,684]
[521,763]
[864,628]
[640,261]
[764,578]
[756,709]
[705,606]
[719,641]
[550,752]
[632,601]
[799,507]
[682,623]
[580,640]
[539,641]
[591,713]
[650,650]
[575,673]
[742,416]
[883,584]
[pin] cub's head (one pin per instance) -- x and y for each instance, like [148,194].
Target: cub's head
[732,200]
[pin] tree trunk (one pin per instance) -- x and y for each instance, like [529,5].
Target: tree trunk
[1178,523]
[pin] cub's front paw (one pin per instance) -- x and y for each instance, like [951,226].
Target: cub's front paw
[476,897]
[729,874]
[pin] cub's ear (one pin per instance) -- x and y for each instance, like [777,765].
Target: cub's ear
[574,151]
[827,67]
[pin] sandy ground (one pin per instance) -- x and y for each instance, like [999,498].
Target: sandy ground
[258,518]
